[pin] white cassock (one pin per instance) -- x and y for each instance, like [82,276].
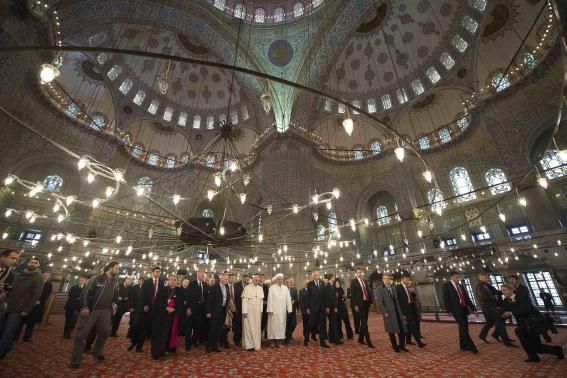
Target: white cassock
[252,304]
[279,304]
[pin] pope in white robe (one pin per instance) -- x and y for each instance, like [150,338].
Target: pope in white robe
[252,305]
[279,305]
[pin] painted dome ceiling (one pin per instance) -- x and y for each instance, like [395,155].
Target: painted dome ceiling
[267,11]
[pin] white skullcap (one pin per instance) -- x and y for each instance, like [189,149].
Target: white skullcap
[279,275]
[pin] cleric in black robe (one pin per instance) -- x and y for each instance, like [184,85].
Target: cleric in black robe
[167,313]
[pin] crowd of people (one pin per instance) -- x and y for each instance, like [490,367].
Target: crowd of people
[203,312]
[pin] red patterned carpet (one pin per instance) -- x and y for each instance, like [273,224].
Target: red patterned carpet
[48,356]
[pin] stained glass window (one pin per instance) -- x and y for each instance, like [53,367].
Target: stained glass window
[470,24]
[97,122]
[114,72]
[417,87]
[444,135]
[356,104]
[382,217]
[103,58]
[436,200]
[170,161]
[137,151]
[210,161]
[497,181]
[145,183]
[182,119]
[168,114]
[341,108]
[208,213]
[139,97]
[386,102]
[260,15]
[125,86]
[459,43]
[462,184]
[154,105]
[479,5]
[500,82]
[463,122]
[402,95]
[433,75]
[210,122]
[153,159]
[298,9]
[197,122]
[240,11]
[424,143]
[375,147]
[234,117]
[279,15]
[332,222]
[358,154]
[371,104]
[447,61]
[553,165]
[220,4]
[529,61]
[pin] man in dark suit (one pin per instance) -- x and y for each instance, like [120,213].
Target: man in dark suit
[303,306]
[291,321]
[73,306]
[148,293]
[217,300]
[316,308]
[527,316]
[124,293]
[237,320]
[519,289]
[360,301]
[198,297]
[266,289]
[185,318]
[458,303]
[389,304]
[331,308]
[355,314]
[489,298]
[406,297]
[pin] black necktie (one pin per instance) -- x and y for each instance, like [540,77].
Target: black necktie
[201,286]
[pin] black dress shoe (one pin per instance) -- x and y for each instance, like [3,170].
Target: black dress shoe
[131,347]
[325,346]
[98,357]
[362,342]
[403,349]
[474,350]
[305,342]
[339,342]
[533,360]
[216,350]
[421,345]
[66,336]
[497,338]
[397,350]
[410,343]
[74,365]
[484,339]
[370,345]
[139,350]
[350,337]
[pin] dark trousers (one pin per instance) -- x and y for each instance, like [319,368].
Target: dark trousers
[99,319]
[144,328]
[533,346]
[363,318]
[117,318]
[71,317]
[412,320]
[355,320]
[237,328]
[465,340]
[306,328]
[216,330]
[264,321]
[401,338]
[199,324]
[29,323]
[90,339]
[317,320]
[342,317]
[8,329]
[187,322]
[493,319]
[290,324]
[333,333]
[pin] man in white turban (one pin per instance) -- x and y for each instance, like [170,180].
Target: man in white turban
[279,305]
[252,306]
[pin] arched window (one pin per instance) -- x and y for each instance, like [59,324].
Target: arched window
[417,87]
[386,102]
[500,82]
[479,5]
[529,61]
[126,86]
[114,72]
[553,165]
[182,119]
[357,153]
[240,11]
[73,110]
[137,151]
[433,75]
[197,122]
[459,43]
[222,118]
[210,122]
[139,97]
[402,95]
[260,15]
[208,213]
[424,143]
[447,61]
[375,147]
[103,58]
[279,15]
[332,222]
[463,122]
[210,161]
[53,184]
[444,135]
[153,159]
[220,4]
[168,114]
[320,232]
[462,184]
[170,161]
[245,114]
[298,9]
[126,139]
[470,24]
[234,117]
[436,200]
[97,122]
[382,217]
[154,105]
[497,181]
[145,183]
[371,104]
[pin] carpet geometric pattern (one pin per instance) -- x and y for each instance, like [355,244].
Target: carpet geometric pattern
[48,356]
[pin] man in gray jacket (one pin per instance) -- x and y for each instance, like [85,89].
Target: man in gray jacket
[394,322]
[27,287]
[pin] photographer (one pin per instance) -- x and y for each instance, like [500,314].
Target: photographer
[530,325]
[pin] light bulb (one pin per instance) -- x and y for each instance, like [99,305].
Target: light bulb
[32,219]
[269,209]
[109,191]
[210,194]
[246,180]
[9,180]
[463,237]
[221,230]
[29,214]
[233,166]
[329,205]
[428,176]
[522,201]
[90,178]
[85,243]
[502,217]
[48,73]
[176,198]
[352,224]
[366,221]
[348,125]
[118,239]
[217,178]
[128,250]
[4,235]
[285,248]
[542,181]
[140,191]
[242,198]
[419,234]
[295,208]
[336,193]
[60,218]
[483,229]
[82,163]
[69,200]
[119,175]
[56,207]
[260,238]
[400,153]
[96,202]
[315,198]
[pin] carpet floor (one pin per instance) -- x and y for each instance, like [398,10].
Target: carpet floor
[47,355]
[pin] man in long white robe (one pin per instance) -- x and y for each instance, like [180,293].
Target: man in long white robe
[252,305]
[279,305]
